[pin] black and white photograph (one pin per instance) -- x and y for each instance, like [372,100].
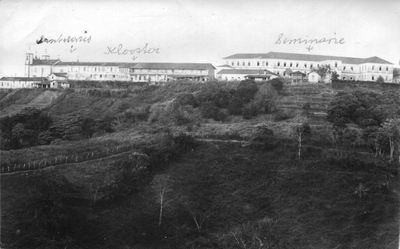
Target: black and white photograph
[199,124]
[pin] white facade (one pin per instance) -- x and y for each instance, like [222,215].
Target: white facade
[92,71]
[115,71]
[313,77]
[368,69]
[243,74]
[163,72]
[19,82]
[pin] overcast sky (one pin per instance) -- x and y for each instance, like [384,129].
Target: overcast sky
[195,30]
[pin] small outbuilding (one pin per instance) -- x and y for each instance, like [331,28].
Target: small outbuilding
[313,77]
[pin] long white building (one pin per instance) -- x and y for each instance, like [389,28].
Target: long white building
[118,71]
[348,68]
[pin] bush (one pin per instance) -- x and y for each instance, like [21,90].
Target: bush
[380,79]
[184,142]
[246,91]
[184,99]
[123,106]
[280,116]
[22,129]
[277,84]
[213,92]
[250,111]
[210,110]
[262,134]
[235,106]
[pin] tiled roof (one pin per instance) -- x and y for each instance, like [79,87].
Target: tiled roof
[23,79]
[225,66]
[186,76]
[96,64]
[44,62]
[308,57]
[298,72]
[245,71]
[157,65]
[258,75]
[248,56]
[127,65]
[60,74]
[139,65]
[376,60]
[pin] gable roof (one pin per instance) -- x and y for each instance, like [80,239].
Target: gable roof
[60,74]
[225,66]
[96,64]
[307,57]
[49,62]
[376,60]
[141,65]
[245,71]
[23,79]
[169,65]
[298,72]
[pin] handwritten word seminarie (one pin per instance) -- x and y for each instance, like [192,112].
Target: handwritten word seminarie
[308,41]
[118,50]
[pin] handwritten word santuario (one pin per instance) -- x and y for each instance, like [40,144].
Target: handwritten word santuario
[62,39]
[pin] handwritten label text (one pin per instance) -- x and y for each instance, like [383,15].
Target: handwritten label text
[62,39]
[281,41]
[119,50]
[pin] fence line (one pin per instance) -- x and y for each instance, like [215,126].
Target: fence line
[65,159]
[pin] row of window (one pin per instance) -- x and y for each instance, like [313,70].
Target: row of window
[22,84]
[112,76]
[279,64]
[364,68]
[297,65]
[188,71]
[365,77]
[95,69]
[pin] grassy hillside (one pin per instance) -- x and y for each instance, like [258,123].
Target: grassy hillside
[224,157]
[236,195]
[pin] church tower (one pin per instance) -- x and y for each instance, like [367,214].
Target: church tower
[28,64]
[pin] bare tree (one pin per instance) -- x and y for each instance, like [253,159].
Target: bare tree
[300,131]
[162,184]
[391,128]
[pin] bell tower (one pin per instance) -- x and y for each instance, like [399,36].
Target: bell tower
[28,64]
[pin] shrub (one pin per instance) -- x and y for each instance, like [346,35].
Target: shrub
[262,134]
[280,116]
[213,92]
[123,106]
[235,106]
[380,79]
[246,91]
[184,99]
[184,142]
[210,110]
[105,124]
[277,84]
[250,111]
